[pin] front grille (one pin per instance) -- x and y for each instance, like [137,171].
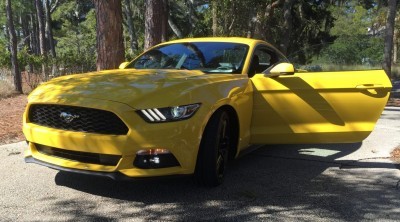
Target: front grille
[83,157]
[77,119]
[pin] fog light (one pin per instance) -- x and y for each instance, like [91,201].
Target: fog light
[155,158]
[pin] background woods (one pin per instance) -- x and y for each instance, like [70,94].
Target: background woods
[47,38]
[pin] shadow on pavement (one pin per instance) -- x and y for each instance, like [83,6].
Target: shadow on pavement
[290,182]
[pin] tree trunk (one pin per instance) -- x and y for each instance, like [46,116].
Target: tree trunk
[156,22]
[56,3]
[49,29]
[42,35]
[388,51]
[395,46]
[13,48]
[34,39]
[110,39]
[175,28]
[164,18]
[214,5]
[24,20]
[27,37]
[261,28]
[42,32]
[6,32]
[250,23]
[287,25]
[193,17]
[131,28]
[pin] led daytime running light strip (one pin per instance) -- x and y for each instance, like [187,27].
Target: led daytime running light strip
[153,115]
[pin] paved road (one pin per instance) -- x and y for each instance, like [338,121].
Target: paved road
[350,182]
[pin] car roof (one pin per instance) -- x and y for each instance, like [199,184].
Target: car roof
[247,41]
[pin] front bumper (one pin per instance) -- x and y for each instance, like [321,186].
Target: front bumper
[180,138]
[117,176]
[112,175]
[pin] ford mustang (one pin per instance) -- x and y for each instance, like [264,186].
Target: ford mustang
[189,106]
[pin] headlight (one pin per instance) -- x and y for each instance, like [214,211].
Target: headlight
[169,114]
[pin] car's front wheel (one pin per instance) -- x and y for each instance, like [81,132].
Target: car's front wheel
[213,155]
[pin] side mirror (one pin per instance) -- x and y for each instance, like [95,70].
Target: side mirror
[123,65]
[282,69]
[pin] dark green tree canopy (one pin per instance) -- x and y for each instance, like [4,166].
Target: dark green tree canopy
[339,33]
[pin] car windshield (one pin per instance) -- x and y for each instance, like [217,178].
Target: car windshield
[209,57]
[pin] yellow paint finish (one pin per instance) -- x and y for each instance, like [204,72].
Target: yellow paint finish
[318,107]
[301,108]
[282,69]
[181,138]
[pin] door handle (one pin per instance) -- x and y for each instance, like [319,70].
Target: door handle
[370,86]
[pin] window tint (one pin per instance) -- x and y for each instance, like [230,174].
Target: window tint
[267,57]
[209,57]
[264,57]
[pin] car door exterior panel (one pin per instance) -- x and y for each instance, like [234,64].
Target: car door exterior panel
[318,107]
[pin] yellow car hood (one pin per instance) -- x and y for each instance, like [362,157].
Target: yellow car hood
[136,88]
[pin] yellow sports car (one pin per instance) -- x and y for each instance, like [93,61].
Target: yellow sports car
[190,106]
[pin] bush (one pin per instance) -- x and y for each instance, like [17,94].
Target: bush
[354,50]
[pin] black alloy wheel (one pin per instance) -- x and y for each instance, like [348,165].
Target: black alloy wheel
[213,155]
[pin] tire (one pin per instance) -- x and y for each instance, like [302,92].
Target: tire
[214,149]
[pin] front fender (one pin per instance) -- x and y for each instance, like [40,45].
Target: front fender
[237,94]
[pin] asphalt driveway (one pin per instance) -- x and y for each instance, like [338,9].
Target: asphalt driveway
[333,182]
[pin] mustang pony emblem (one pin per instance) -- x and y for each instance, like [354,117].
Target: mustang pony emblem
[67,117]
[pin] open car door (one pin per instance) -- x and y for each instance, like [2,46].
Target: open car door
[316,107]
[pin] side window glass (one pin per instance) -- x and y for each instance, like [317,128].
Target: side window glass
[260,61]
[280,58]
[264,57]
